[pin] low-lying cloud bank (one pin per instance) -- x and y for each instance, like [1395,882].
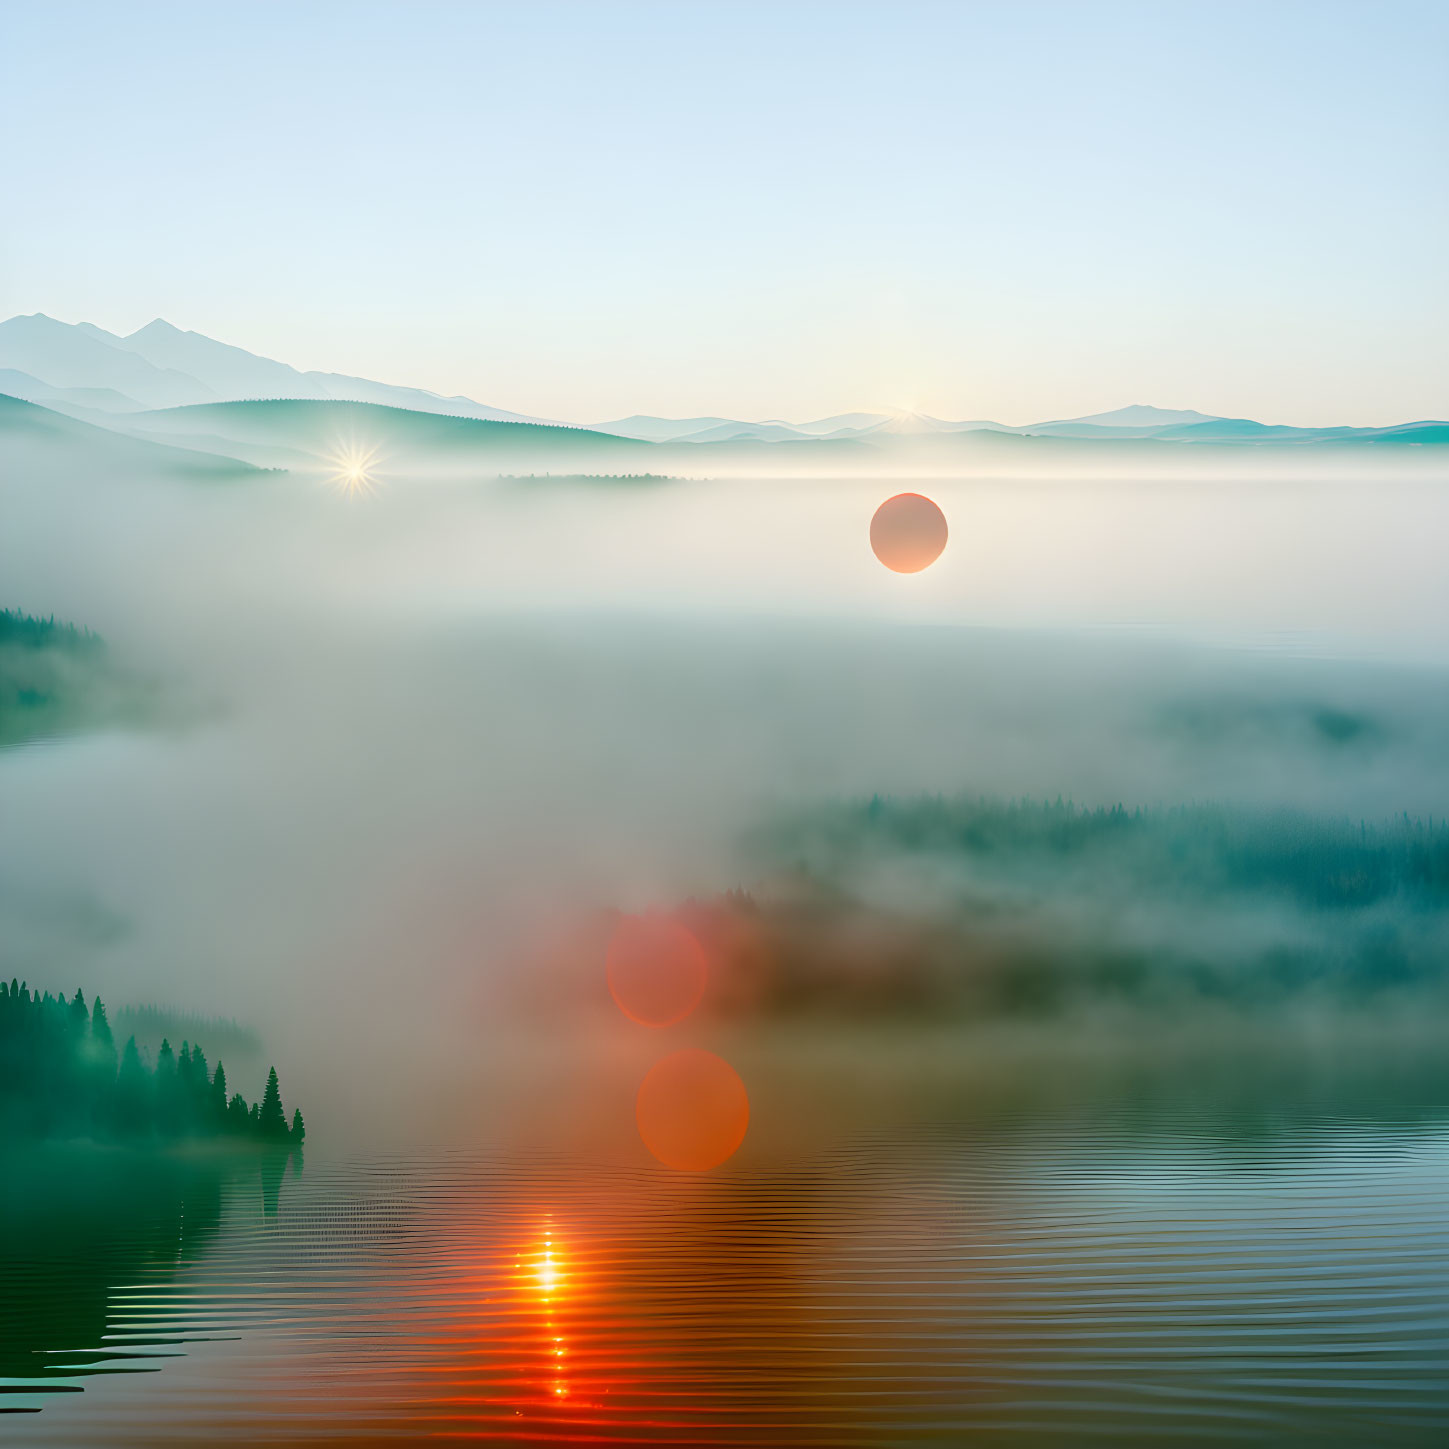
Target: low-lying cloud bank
[983,907]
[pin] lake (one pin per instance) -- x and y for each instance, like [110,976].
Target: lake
[1199,1253]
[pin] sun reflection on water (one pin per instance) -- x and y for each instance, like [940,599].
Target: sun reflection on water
[543,1279]
[544,1266]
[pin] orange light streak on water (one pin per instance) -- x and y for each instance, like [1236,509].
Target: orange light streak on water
[1032,1284]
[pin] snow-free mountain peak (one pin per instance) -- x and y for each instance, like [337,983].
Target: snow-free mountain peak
[79,367]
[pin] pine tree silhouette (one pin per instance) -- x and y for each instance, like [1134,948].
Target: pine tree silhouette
[101,1026]
[133,1114]
[238,1119]
[198,1098]
[299,1129]
[170,1111]
[216,1100]
[272,1121]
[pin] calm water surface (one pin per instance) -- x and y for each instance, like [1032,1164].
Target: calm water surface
[1104,1278]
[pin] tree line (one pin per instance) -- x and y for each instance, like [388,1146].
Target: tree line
[31,632]
[1320,862]
[61,1076]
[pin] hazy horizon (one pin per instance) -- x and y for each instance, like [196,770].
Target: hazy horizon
[212,369]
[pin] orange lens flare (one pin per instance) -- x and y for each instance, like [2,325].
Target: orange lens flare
[656,969]
[692,1110]
[908,533]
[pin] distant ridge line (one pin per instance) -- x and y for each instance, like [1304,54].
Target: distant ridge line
[85,372]
[354,402]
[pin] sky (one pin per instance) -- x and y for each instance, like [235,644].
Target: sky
[1014,212]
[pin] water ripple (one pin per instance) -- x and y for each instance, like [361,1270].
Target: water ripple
[1035,1285]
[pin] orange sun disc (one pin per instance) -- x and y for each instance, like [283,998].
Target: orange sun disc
[692,1110]
[656,969]
[908,533]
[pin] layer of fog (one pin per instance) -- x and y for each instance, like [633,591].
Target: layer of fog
[419,730]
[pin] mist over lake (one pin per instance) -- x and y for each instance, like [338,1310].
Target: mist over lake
[421,734]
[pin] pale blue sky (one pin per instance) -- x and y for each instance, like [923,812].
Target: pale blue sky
[1009,211]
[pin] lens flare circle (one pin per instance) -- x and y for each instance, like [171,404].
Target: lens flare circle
[692,1110]
[908,533]
[656,969]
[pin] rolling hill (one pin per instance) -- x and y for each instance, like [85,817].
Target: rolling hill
[28,431]
[289,431]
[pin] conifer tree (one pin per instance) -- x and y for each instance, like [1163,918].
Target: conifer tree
[132,1107]
[216,1101]
[299,1129]
[100,1067]
[198,1099]
[170,1102]
[101,1026]
[272,1120]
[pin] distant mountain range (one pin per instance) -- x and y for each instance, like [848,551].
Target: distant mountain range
[85,370]
[119,382]
[1130,422]
[1125,424]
